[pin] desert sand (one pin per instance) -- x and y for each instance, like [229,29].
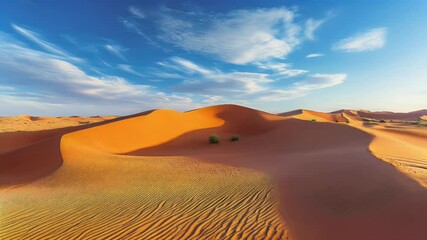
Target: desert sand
[31,123]
[297,175]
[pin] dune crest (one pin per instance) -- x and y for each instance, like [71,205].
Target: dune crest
[287,177]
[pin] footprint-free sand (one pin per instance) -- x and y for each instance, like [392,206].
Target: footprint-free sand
[300,175]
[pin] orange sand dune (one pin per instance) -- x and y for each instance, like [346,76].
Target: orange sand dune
[401,144]
[26,156]
[155,176]
[117,196]
[32,123]
[318,169]
[410,116]
[316,116]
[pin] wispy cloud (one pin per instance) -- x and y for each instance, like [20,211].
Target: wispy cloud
[38,77]
[203,81]
[282,69]
[315,55]
[138,13]
[190,66]
[129,69]
[238,37]
[116,50]
[298,89]
[311,25]
[134,27]
[37,39]
[217,86]
[366,41]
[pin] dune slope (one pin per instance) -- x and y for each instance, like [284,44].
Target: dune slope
[330,186]
[156,176]
[116,196]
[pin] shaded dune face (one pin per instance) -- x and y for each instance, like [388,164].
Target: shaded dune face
[329,185]
[317,116]
[27,156]
[410,116]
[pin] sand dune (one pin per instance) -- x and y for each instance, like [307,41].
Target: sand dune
[155,176]
[401,143]
[411,116]
[315,116]
[330,192]
[33,123]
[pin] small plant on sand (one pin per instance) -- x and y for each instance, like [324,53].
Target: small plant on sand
[234,138]
[422,123]
[213,138]
[313,120]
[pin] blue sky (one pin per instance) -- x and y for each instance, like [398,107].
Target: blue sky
[121,57]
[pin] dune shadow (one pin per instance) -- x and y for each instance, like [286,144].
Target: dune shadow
[40,155]
[330,185]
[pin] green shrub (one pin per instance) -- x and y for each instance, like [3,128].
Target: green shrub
[234,138]
[213,138]
[313,120]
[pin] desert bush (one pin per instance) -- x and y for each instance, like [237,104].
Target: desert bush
[234,138]
[214,138]
[313,120]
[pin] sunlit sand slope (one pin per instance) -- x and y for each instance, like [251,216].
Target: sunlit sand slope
[118,197]
[32,123]
[314,116]
[99,194]
[155,176]
[398,138]
[410,116]
[330,185]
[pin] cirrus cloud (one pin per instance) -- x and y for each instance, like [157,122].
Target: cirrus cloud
[372,39]
[39,78]
[238,37]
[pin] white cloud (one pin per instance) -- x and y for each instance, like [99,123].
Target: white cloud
[203,81]
[216,86]
[133,26]
[238,37]
[35,77]
[319,81]
[116,50]
[129,69]
[298,89]
[191,66]
[315,55]
[282,69]
[232,84]
[311,25]
[367,41]
[6,88]
[138,13]
[34,37]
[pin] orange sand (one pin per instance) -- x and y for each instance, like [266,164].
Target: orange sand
[32,123]
[155,176]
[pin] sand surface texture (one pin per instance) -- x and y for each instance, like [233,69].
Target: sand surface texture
[301,175]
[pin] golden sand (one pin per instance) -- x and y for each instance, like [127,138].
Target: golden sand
[155,176]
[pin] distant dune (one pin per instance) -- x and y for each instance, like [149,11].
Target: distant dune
[316,116]
[33,123]
[296,175]
[410,116]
